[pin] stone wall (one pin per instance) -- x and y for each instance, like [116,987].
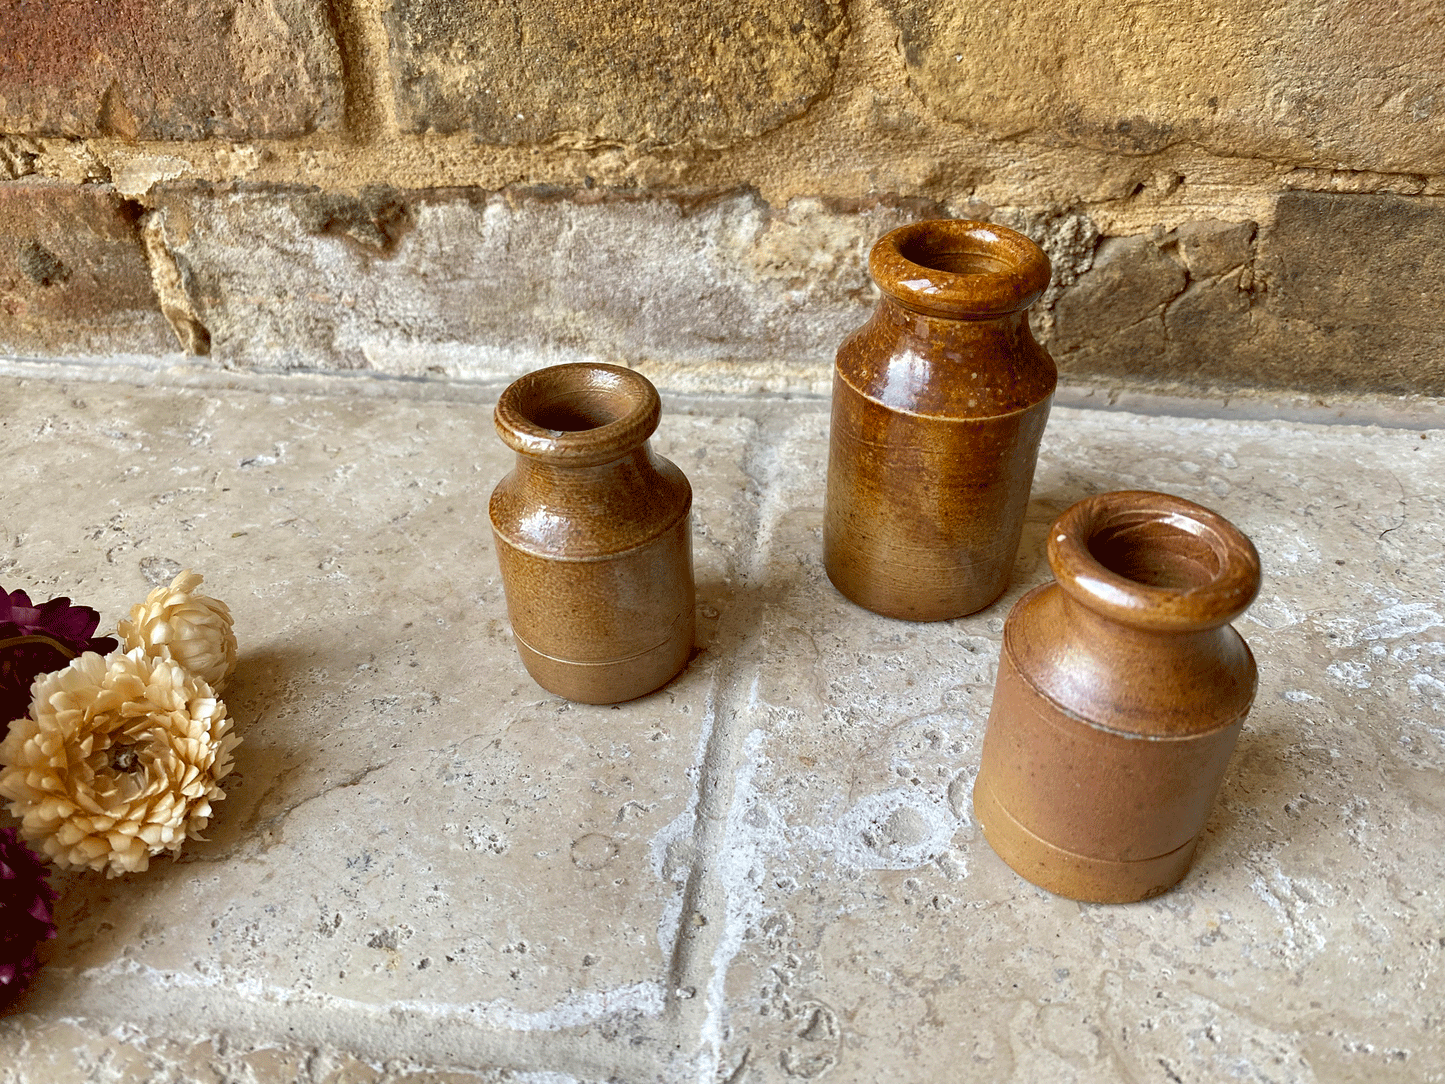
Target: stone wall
[1234,195]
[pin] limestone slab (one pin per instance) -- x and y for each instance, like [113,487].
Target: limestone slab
[428,870]
[413,826]
[872,933]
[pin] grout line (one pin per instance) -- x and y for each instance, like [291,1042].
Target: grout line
[361,38]
[716,888]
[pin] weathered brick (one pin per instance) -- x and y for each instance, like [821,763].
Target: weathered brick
[1125,291]
[73,274]
[1352,84]
[1354,288]
[1338,294]
[693,71]
[1172,308]
[168,69]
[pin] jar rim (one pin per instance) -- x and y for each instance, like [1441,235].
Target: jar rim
[578,414]
[959,268]
[1154,561]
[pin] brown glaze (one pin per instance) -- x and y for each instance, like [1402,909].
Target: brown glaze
[1121,691]
[939,402]
[593,535]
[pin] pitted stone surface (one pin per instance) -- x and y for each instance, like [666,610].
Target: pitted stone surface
[169,69]
[698,72]
[428,870]
[1343,85]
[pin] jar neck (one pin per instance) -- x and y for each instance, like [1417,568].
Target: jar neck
[561,482]
[939,366]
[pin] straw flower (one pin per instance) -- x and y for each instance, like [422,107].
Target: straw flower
[120,759]
[194,629]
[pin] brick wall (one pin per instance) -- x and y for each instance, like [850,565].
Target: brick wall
[1234,194]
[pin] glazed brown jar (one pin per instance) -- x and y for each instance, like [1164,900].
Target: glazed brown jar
[939,402]
[593,535]
[1121,691]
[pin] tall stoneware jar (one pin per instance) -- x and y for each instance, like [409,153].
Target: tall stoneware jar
[939,401]
[1121,691]
[593,535]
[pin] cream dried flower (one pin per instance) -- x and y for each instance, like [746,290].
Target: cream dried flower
[118,760]
[194,629]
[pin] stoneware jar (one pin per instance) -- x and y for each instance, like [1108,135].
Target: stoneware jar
[939,401]
[593,535]
[1121,691]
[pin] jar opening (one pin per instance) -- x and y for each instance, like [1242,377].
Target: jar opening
[581,414]
[947,254]
[958,269]
[578,413]
[1153,561]
[1157,553]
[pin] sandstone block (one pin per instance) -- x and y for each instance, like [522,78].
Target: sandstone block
[1335,295]
[1173,308]
[1355,283]
[1348,85]
[169,69]
[610,72]
[73,274]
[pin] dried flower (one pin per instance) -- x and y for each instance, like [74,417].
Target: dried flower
[194,629]
[35,640]
[25,918]
[119,759]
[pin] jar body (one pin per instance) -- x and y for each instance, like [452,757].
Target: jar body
[1108,739]
[936,424]
[596,562]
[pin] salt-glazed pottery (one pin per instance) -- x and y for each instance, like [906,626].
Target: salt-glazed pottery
[1121,691]
[939,401]
[593,534]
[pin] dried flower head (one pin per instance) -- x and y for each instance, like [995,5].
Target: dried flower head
[194,629]
[25,918]
[35,640]
[120,759]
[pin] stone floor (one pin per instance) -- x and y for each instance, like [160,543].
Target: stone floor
[429,870]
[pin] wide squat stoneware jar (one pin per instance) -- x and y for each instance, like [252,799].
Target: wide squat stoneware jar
[939,401]
[593,535]
[1121,691]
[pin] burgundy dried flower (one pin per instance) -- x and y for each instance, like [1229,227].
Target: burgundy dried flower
[25,917]
[35,640]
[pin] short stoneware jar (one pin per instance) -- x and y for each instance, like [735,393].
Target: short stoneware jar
[1121,691]
[593,535]
[939,402]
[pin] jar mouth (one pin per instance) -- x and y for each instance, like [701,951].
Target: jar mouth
[959,268]
[1154,561]
[580,413]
